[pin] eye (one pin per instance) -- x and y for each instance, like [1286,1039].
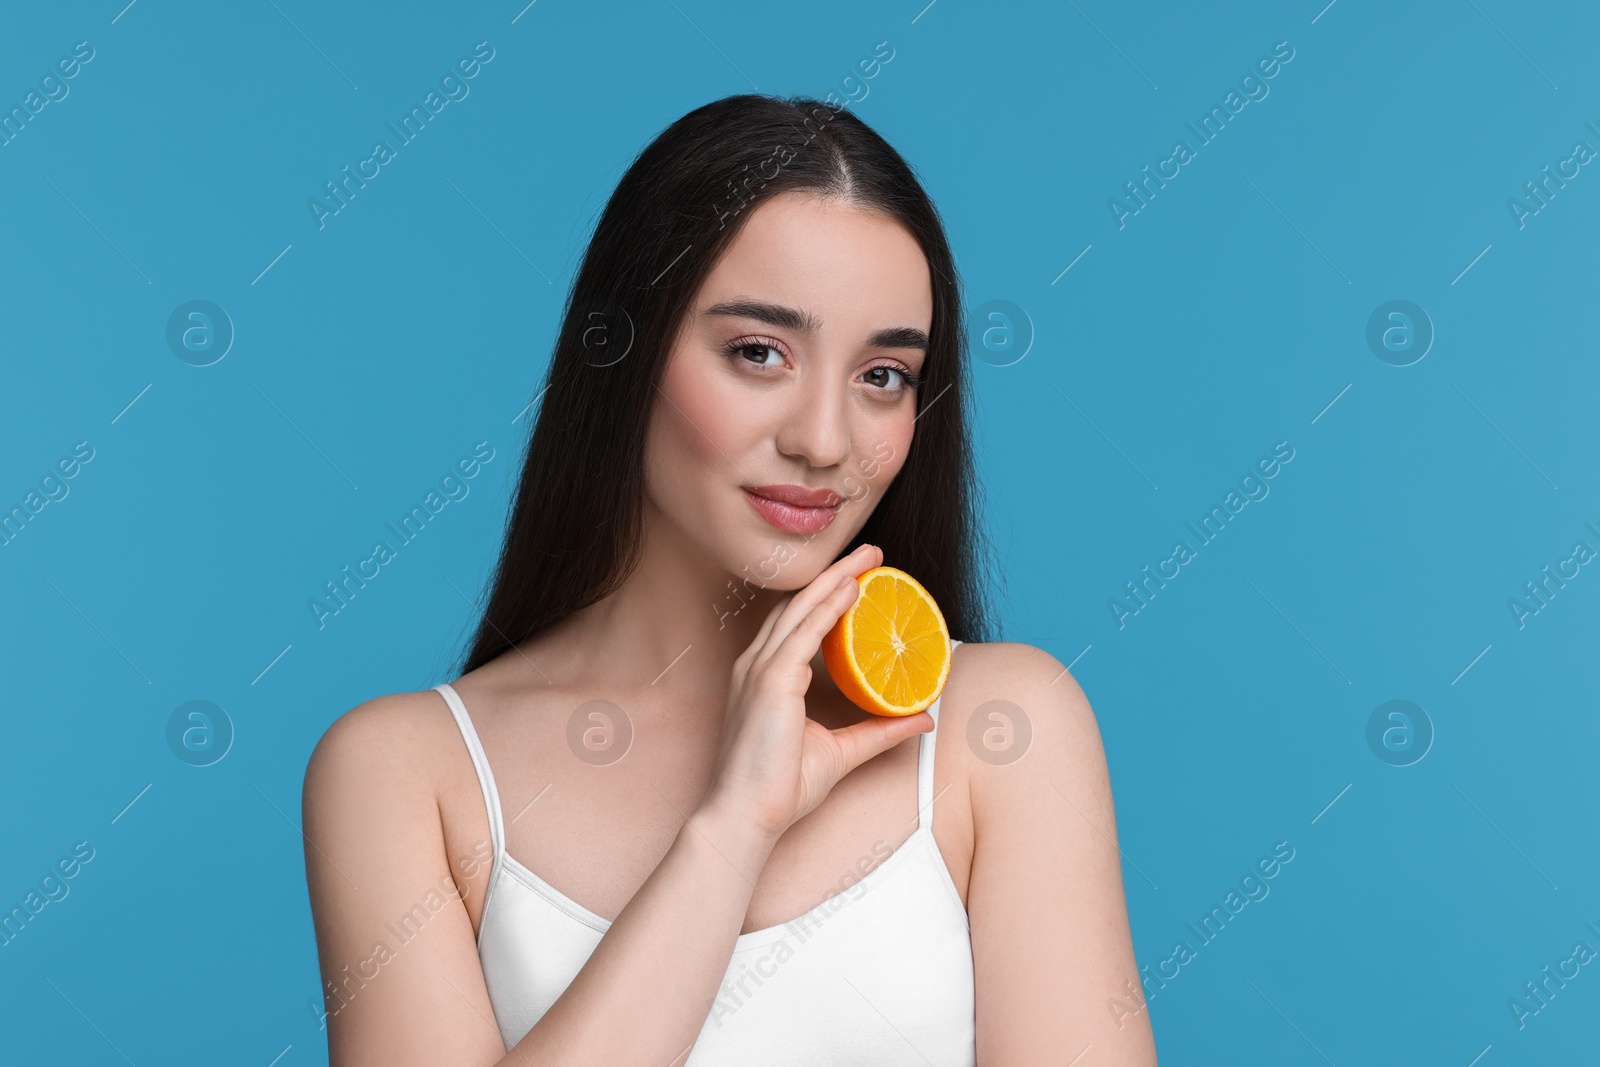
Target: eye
[761,347]
[878,375]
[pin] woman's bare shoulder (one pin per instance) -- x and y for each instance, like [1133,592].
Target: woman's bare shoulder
[1024,697]
[376,846]
[991,669]
[390,741]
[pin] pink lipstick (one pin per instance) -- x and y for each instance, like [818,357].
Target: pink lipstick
[794,508]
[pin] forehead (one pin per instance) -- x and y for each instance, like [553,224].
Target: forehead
[843,263]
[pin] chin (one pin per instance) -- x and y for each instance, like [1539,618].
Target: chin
[781,562]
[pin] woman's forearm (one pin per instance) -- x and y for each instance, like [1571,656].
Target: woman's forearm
[644,994]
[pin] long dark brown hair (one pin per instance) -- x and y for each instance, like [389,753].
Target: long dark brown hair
[575,526]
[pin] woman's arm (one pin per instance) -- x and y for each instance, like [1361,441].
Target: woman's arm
[1052,953]
[375,850]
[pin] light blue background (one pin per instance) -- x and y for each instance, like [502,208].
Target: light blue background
[1228,315]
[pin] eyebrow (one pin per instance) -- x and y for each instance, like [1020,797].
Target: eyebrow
[804,322]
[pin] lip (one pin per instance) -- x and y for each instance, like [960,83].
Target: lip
[797,495]
[794,508]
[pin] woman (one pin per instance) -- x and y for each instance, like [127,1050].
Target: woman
[735,864]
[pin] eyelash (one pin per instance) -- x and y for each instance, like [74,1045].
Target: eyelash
[734,348]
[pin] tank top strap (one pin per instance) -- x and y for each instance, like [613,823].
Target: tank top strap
[480,763]
[926,743]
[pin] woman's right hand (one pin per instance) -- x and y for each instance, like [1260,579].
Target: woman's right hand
[776,764]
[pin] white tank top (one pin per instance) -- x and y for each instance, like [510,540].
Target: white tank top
[880,973]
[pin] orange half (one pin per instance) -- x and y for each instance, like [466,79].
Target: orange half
[890,652]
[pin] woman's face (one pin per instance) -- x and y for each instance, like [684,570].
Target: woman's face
[794,367]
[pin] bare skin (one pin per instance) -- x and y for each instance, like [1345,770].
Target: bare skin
[751,785]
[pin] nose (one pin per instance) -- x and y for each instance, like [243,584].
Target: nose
[816,426]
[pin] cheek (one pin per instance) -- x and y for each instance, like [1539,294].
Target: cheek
[880,461]
[698,425]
